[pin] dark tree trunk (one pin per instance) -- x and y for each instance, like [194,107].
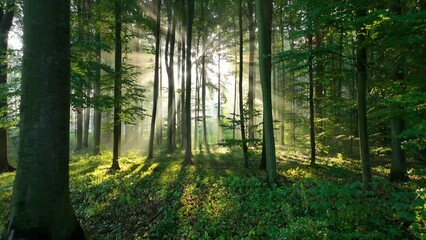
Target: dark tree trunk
[156,81]
[86,124]
[190,18]
[362,103]
[264,10]
[399,163]
[169,54]
[252,39]
[219,129]
[6,18]
[97,116]
[311,104]
[41,206]
[182,94]
[242,121]
[79,134]
[203,94]
[117,87]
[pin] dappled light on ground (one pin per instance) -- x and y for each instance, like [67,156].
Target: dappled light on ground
[217,198]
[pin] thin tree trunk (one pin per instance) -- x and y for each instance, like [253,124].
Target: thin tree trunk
[86,125]
[6,18]
[79,128]
[242,121]
[362,104]
[117,87]
[97,116]
[182,94]
[169,54]
[203,94]
[219,128]
[156,81]
[311,103]
[197,97]
[190,18]
[252,39]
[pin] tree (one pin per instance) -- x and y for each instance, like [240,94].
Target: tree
[117,86]
[6,18]
[156,80]
[169,55]
[189,22]
[41,207]
[311,102]
[240,85]
[97,116]
[264,10]
[252,39]
[362,102]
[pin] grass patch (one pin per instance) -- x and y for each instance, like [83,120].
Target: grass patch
[217,198]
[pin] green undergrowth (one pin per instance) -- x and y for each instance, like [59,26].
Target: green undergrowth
[217,198]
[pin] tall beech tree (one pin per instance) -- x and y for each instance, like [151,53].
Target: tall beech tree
[41,207]
[264,10]
[240,84]
[169,55]
[189,22]
[117,85]
[6,19]
[156,80]
[361,64]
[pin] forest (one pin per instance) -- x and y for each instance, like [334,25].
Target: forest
[212,119]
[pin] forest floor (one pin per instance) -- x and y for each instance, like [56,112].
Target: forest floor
[217,198]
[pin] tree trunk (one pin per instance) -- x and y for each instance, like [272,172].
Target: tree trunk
[117,87]
[156,81]
[203,94]
[252,39]
[219,128]
[242,122]
[362,103]
[311,104]
[197,96]
[169,54]
[79,134]
[182,94]
[264,10]
[97,116]
[189,22]
[86,124]
[6,18]
[41,206]
[399,163]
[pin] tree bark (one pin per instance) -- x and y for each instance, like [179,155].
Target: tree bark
[252,39]
[6,18]
[97,116]
[41,206]
[79,134]
[169,54]
[117,87]
[189,23]
[86,123]
[156,82]
[240,85]
[311,103]
[219,82]
[203,94]
[399,163]
[362,103]
[264,10]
